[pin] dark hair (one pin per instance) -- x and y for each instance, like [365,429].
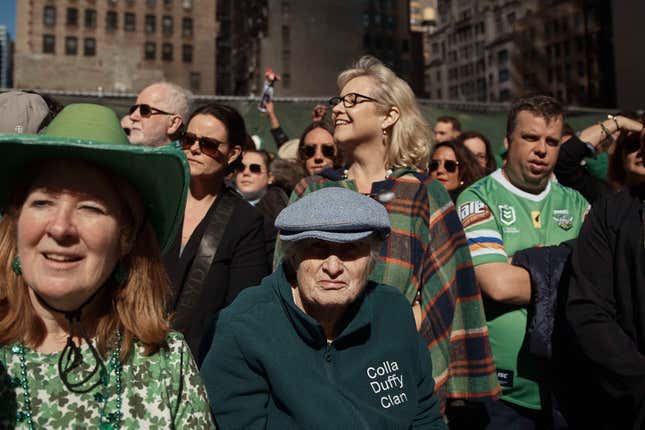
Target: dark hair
[454,122]
[567,130]
[616,173]
[231,118]
[267,157]
[543,106]
[235,127]
[314,125]
[469,169]
[491,164]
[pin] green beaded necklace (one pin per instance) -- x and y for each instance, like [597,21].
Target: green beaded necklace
[107,421]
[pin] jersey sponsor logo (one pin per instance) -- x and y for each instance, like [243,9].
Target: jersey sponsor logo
[507,214]
[535,217]
[563,219]
[473,213]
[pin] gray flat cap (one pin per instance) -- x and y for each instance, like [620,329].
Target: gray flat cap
[333,214]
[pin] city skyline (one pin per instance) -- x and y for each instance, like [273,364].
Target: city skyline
[8,16]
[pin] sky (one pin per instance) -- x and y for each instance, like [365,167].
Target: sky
[8,16]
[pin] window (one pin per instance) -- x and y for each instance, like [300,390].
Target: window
[167,2]
[187,27]
[90,18]
[166,24]
[195,80]
[129,22]
[503,75]
[71,45]
[72,16]
[187,4]
[286,80]
[502,57]
[166,52]
[286,34]
[150,51]
[187,53]
[504,95]
[151,3]
[49,15]
[89,47]
[49,44]
[151,23]
[581,69]
[111,20]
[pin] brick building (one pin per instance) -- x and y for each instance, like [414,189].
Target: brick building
[115,45]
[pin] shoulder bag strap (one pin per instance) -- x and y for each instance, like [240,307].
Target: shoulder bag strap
[189,294]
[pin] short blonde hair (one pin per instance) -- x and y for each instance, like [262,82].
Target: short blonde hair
[408,144]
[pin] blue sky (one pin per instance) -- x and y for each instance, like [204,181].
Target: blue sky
[8,16]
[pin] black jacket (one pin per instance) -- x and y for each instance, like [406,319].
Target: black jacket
[240,262]
[606,305]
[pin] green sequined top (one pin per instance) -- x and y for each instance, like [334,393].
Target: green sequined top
[161,391]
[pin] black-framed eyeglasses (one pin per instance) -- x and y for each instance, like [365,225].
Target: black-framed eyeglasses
[351,100]
[253,168]
[207,145]
[147,110]
[449,165]
[327,150]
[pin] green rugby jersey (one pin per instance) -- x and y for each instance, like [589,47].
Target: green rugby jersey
[500,219]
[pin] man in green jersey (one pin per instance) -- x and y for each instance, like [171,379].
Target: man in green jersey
[514,208]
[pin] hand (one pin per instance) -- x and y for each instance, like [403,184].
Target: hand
[318,113]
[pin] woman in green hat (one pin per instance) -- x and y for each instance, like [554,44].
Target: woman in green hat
[84,335]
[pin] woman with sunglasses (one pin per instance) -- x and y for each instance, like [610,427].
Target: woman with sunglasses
[254,181]
[454,167]
[379,126]
[220,250]
[317,150]
[625,163]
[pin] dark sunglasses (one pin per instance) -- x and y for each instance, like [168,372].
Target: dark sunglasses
[207,145]
[253,168]
[327,150]
[449,165]
[147,110]
[350,100]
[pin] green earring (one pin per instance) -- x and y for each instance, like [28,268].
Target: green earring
[15,266]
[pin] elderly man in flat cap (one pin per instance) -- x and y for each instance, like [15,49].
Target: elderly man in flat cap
[316,345]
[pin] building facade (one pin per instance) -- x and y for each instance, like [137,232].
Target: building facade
[495,50]
[5,58]
[308,43]
[115,45]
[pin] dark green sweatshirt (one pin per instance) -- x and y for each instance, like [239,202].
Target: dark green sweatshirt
[270,365]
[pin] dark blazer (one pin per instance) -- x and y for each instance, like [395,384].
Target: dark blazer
[240,262]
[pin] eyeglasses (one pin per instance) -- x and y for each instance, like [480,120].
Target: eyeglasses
[449,165]
[327,150]
[351,100]
[207,145]
[253,168]
[146,110]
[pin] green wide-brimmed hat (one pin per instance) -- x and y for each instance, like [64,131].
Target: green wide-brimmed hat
[93,133]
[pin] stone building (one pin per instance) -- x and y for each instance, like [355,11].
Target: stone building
[115,45]
[5,58]
[494,50]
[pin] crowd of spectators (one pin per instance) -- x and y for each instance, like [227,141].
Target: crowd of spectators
[376,272]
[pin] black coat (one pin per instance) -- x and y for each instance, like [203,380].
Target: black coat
[240,262]
[606,306]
